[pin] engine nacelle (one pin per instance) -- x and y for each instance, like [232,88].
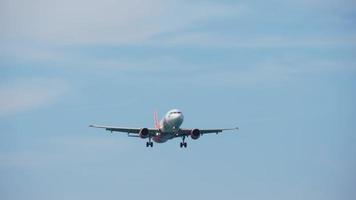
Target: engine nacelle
[144,133]
[195,134]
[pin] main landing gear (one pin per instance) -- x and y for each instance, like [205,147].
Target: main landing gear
[149,143]
[183,144]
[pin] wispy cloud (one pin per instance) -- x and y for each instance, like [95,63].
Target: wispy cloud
[171,22]
[74,149]
[23,95]
[104,22]
[213,40]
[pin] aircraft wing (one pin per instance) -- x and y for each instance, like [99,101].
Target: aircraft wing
[186,132]
[128,130]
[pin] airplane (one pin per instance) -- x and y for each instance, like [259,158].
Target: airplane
[168,128]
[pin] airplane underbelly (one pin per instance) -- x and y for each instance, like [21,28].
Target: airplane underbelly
[163,137]
[159,139]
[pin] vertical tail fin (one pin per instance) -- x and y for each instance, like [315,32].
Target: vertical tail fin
[155,118]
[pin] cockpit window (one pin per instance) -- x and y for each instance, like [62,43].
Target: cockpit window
[176,112]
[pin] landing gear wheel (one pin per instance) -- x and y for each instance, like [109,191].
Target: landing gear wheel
[183,144]
[149,144]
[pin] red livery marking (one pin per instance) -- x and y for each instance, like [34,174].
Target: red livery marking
[156,123]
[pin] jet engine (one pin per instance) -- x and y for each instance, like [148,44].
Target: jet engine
[195,134]
[144,133]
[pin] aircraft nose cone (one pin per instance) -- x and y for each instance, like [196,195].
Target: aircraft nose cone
[178,118]
[181,117]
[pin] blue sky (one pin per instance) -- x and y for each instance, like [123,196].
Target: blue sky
[283,71]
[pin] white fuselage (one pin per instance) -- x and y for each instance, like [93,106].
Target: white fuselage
[169,126]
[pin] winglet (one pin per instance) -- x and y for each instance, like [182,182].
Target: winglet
[155,118]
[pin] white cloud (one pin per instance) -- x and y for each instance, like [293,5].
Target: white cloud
[29,94]
[74,150]
[75,21]
[118,22]
[264,72]
[104,22]
[32,53]
[206,39]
